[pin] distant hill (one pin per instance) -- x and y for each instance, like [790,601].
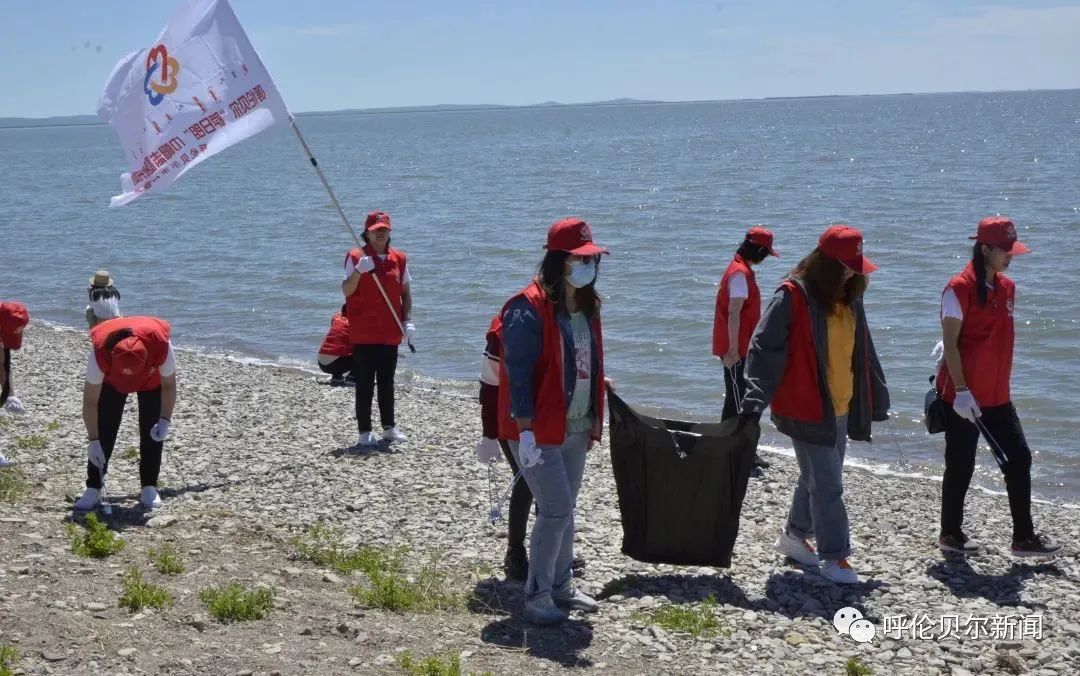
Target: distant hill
[78,120]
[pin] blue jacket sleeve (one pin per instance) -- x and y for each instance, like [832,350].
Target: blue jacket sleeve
[522,341]
[767,359]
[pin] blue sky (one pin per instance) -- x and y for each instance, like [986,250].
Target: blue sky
[332,54]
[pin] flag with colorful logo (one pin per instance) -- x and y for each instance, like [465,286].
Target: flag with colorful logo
[200,88]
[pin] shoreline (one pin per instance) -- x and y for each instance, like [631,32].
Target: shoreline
[465,389]
[258,455]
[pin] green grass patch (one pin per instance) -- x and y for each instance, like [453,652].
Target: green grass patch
[167,561]
[95,540]
[53,426]
[139,594]
[698,621]
[130,453]
[8,657]
[234,603]
[427,591]
[855,667]
[325,546]
[13,484]
[33,442]
[436,665]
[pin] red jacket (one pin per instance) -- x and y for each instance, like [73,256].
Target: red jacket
[154,334]
[553,376]
[986,340]
[799,396]
[370,320]
[337,342]
[749,314]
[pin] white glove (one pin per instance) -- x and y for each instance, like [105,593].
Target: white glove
[488,450]
[410,331]
[365,264]
[528,453]
[160,430]
[966,407]
[95,455]
[13,405]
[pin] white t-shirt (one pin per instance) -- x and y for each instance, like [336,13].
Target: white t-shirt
[950,304]
[737,286]
[95,376]
[349,265]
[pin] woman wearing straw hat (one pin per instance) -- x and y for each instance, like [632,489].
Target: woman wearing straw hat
[103,297]
[130,355]
[813,361]
[551,405]
[973,379]
[377,323]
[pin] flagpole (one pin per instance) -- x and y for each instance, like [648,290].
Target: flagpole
[346,225]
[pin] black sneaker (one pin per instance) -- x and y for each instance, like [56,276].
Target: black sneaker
[958,544]
[337,381]
[1034,546]
[516,563]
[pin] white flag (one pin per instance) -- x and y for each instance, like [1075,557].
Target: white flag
[199,89]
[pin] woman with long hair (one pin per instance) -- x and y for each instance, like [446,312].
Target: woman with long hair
[813,361]
[551,405]
[973,379]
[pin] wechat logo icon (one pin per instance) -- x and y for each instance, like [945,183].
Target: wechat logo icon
[850,621]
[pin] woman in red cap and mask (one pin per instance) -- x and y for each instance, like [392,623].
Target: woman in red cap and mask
[130,355]
[551,405]
[973,379]
[738,309]
[377,324]
[13,319]
[812,360]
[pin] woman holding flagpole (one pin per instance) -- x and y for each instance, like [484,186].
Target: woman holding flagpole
[378,304]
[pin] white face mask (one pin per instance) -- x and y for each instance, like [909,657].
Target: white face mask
[582,273]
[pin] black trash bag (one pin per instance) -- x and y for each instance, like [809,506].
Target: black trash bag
[681,485]
[935,416]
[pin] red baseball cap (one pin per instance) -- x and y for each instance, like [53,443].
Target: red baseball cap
[13,319]
[128,369]
[844,243]
[376,220]
[574,236]
[762,237]
[999,232]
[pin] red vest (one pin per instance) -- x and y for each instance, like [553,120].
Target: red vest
[549,398]
[799,394]
[748,315]
[337,342]
[986,340]
[370,321]
[154,334]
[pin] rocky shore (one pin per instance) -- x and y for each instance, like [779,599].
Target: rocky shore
[260,454]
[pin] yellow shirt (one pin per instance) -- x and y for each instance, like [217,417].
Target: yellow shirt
[841,376]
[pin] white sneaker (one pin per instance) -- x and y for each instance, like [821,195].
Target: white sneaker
[392,435]
[839,572]
[797,548]
[367,439]
[90,499]
[4,462]
[150,497]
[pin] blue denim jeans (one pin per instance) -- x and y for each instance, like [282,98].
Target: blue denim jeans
[554,485]
[817,507]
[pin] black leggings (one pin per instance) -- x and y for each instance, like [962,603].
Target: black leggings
[961,442]
[5,391]
[731,406]
[520,501]
[371,364]
[110,412]
[338,368]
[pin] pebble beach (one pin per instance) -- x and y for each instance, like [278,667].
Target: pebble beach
[259,454]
